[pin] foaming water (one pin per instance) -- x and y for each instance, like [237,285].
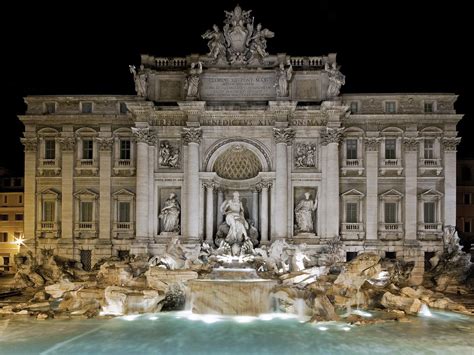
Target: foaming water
[272,333]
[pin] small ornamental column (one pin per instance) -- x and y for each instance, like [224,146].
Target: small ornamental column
[152,219]
[141,211]
[255,192]
[192,137]
[283,137]
[220,201]
[105,166]
[449,147]
[210,186]
[31,145]
[331,138]
[371,207]
[411,191]
[264,187]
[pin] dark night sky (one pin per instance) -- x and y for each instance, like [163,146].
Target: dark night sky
[85,48]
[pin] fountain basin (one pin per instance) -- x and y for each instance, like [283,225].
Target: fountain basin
[231,297]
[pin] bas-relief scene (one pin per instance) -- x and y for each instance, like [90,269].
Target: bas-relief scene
[246,201]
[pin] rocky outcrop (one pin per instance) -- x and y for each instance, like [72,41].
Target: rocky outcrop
[121,300]
[406,304]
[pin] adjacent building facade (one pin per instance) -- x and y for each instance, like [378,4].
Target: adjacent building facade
[11,220]
[465,200]
[102,172]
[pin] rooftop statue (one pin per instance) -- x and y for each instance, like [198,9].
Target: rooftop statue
[336,79]
[240,42]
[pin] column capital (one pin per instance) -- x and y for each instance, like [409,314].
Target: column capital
[140,134]
[67,143]
[372,144]
[264,184]
[331,135]
[191,135]
[152,138]
[450,143]
[29,144]
[411,143]
[105,144]
[210,185]
[283,135]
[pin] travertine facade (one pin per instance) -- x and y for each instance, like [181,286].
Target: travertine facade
[99,169]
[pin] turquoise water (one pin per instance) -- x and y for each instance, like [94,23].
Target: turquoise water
[184,333]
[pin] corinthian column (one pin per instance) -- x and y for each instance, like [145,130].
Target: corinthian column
[141,218]
[371,208]
[263,187]
[331,139]
[31,145]
[67,185]
[411,175]
[152,220]
[192,137]
[449,145]
[105,158]
[283,137]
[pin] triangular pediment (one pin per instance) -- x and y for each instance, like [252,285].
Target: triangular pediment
[431,193]
[86,193]
[51,192]
[392,193]
[353,193]
[123,192]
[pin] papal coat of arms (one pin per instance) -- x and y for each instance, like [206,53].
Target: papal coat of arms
[239,42]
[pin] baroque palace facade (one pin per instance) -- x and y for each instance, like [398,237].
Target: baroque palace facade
[112,175]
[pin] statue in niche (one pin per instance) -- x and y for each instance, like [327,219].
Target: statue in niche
[305,156]
[304,212]
[284,75]
[169,156]
[141,80]
[192,81]
[216,44]
[169,214]
[336,79]
[233,235]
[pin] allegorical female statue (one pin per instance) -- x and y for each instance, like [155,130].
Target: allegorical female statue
[170,214]
[304,212]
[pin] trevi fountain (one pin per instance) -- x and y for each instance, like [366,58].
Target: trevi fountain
[248,244]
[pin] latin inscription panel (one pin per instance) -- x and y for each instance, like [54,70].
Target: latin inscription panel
[238,86]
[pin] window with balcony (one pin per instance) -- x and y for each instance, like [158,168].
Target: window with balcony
[390,215]
[50,149]
[352,226]
[351,155]
[87,149]
[86,214]
[428,151]
[87,163]
[125,149]
[124,207]
[123,153]
[48,213]
[351,148]
[430,226]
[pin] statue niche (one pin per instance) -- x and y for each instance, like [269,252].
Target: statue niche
[237,163]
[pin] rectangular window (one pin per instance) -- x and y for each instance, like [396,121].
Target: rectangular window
[87,149]
[85,213]
[351,212]
[354,107]
[50,149]
[390,107]
[428,256]
[390,149]
[86,259]
[124,212]
[390,212]
[3,237]
[49,208]
[429,149]
[3,217]
[19,217]
[351,149]
[20,199]
[50,107]
[429,107]
[392,255]
[429,212]
[351,255]
[123,108]
[123,254]
[5,199]
[467,226]
[86,107]
[467,199]
[125,149]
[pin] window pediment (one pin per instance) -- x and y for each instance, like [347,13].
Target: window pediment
[430,194]
[123,193]
[353,193]
[52,193]
[86,194]
[391,194]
